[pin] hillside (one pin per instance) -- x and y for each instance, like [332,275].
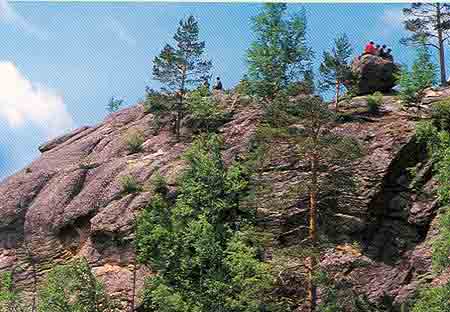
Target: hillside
[70,203]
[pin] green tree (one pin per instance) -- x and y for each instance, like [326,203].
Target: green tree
[279,55]
[73,288]
[335,67]
[114,105]
[202,243]
[323,150]
[182,67]
[422,75]
[429,22]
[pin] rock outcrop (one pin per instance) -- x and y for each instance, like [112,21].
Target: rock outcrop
[373,73]
[69,202]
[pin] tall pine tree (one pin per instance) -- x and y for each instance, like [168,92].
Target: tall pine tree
[432,22]
[182,67]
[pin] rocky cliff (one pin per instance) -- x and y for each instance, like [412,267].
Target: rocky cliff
[69,202]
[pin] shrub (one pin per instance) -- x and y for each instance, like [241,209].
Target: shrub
[129,185]
[134,140]
[433,300]
[114,105]
[73,288]
[441,115]
[441,245]
[374,102]
[206,114]
[243,87]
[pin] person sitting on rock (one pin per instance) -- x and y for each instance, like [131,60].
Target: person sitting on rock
[370,48]
[388,55]
[218,84]
[382,51]
[377,50]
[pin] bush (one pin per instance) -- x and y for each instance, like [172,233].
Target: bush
[134,140]
[73,288]
[243,87]
[441,245]
[114,105]
[433,300]
[441,115]
[129,185]
[206,114]
[374,102]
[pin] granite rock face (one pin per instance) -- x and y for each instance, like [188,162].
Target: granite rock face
[374,74]
[69,202]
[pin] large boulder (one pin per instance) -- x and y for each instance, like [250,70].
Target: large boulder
[373,73]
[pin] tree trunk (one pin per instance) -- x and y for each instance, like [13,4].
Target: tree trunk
[336,99]
[312,289]
[441,46]
[133,289]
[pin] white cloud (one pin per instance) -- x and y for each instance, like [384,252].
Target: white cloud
[391,21]
[24,103]
[9,16]
[118,30]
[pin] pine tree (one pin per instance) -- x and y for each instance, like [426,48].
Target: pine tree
[335,67]
[432,22]
[182,67]
[279,56]
[422,75]
[202,243]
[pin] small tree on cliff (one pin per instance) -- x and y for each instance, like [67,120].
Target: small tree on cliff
[279,56]
[324,151]
[182,67]
[73,288]
[422,75]
[202,244]
[335,67]
[432,22]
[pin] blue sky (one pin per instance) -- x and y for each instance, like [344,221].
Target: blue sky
[61,62]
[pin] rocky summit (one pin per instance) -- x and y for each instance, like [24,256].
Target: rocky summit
[69,201]
[374,74]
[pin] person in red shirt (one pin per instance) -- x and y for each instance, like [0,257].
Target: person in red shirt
[370,48]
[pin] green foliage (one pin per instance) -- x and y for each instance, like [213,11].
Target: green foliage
[422,75]
[206,114]
[73,288]
[441,244]
[438,143]
[335,68]
[10,298]
[374,102]
[279,55]
[114,105]
[134,140]
[129,185]
[202,244]
[182,67]
[244,86]
[433,300]
[441,115]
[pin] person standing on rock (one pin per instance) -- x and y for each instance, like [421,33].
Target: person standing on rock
[218,84]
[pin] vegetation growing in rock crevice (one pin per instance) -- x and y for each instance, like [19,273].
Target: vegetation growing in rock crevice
[202,244]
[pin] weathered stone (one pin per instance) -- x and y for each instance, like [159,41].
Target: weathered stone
[373,74]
